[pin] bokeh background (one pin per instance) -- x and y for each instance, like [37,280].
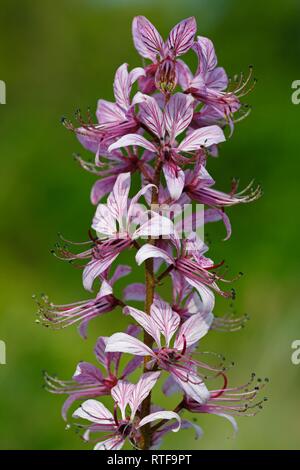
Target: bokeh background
[59,56]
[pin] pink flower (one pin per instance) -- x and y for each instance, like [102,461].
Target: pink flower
[198,184]
[190,261]
[114,119]
[113,223]
[88,380]
[111,165]
[166,126]
[162,73]
[175,359]
[232,402]
[210,81]
[61,316]
[165,136]
[125,395]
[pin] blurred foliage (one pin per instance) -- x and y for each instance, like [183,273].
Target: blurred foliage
[59,56]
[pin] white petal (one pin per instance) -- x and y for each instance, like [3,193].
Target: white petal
[156,226]
[105,289]
[175,180]
[132,139]
[141,390]
[207,296]
[94,268]
[161,415]
[203,137]
[192,330]
[121,342]
[145,321]
[134,200]
[121,87]
[121,394]
[230,419]
[104,222]
[192,385]
[150,251]
[114,443]
[117,201]
[165,319]
[136,73]
[94,411]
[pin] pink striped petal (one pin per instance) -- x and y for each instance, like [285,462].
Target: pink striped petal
[135,74]
[205,51]
[121,394]
[217,79]
[178,114]
[121,87]
[185,75]
[121,271]
[175,179]
[192,330]
[94,268]
[109,112]
[181,38]
[141,390]
[145,321]
[204,137]
[151,114]
[132,139]
[104,221]
[121,342]
[117,201]
[192,385]
[165,319]
[214,215]
[147,40]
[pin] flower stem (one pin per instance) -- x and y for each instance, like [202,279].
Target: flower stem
[150,287]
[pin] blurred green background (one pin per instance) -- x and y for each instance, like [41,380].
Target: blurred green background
[59,56]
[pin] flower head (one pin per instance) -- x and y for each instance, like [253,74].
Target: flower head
[113,223]
[175,359]
[162,73]
[127,427]
[166,126]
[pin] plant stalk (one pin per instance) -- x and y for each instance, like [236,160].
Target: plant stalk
[150,287]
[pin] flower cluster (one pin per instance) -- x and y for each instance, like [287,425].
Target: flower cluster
[164,132]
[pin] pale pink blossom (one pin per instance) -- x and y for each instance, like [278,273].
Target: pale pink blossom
[113,223]
[176,359]
[162,73]
[127,427]
[166,126]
